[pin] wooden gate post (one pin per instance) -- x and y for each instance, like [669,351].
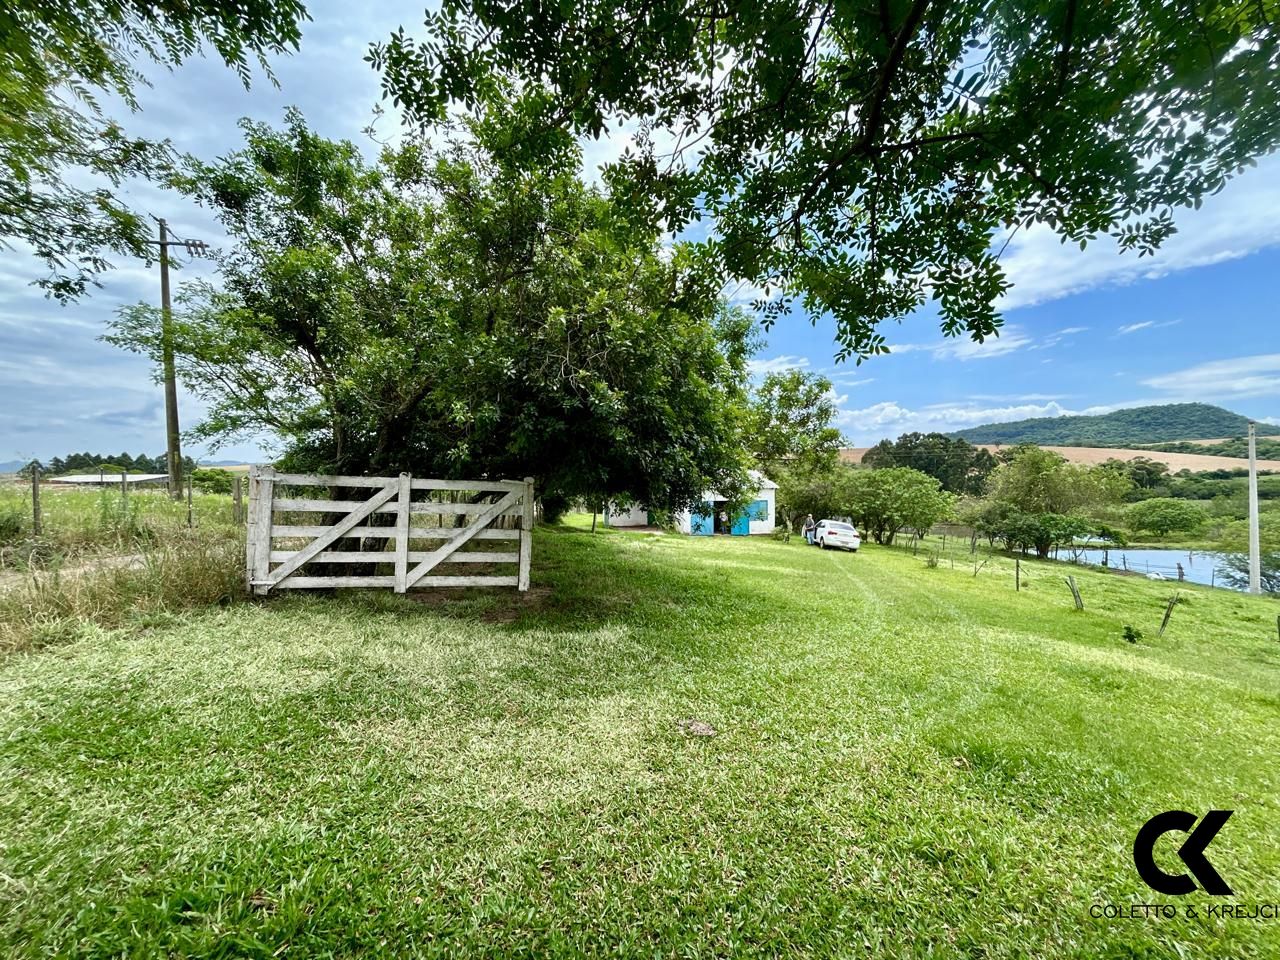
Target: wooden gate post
[258,541]
[36,525]
[402,533]
[526,536]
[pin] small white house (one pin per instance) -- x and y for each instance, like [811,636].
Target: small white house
[757,518]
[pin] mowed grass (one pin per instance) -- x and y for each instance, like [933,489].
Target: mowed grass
[908,761]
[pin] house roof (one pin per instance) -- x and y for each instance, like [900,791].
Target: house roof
[765,482]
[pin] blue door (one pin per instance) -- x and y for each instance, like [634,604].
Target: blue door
[757,510]
[701,524]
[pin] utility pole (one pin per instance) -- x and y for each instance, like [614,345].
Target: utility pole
[1255,549]
[173,439]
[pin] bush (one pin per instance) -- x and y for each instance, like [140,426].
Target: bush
[12,525]
[213,480]
[1132,633]
[1163,515]
[554,506]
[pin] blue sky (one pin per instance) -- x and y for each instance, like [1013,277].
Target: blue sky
[1085,331]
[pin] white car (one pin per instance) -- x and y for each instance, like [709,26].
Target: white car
[834,534]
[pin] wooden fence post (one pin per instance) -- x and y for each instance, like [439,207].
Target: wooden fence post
[1168,613]
[251,530]
[1017,574]
[36,523]
[1075,593]
[124,493]
[189,488]
[405,492]
[260,539]
[237,505]
[526,536]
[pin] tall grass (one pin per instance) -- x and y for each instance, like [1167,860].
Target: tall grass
[78,524]
[186,569]
[106,560]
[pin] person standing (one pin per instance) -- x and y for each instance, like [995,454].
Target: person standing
[809,527]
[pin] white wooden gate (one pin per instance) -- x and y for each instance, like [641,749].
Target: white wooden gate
[285,535]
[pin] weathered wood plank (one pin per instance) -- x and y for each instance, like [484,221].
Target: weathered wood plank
[334,532]
[455,509]
[390,556]
[505,486]
[526,535]
[318,505]
[323,480]
[304,583]
[451,545]
[251,527]
[380,533]
[259,569]
[405,492]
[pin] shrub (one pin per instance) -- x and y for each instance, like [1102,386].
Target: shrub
[213,480]
[1132,633]
[12,525]
[554,506]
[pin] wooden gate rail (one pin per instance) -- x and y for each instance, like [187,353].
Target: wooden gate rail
[271,567]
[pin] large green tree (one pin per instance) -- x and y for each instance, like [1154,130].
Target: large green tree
[882,502]
[792,422]
[1036,481]
[864,158]
[431,313]
[1165,515]
[61,156]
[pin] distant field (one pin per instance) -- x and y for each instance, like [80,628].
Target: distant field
[1208,443]
[1095,455]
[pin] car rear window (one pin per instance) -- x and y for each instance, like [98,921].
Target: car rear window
[842,527]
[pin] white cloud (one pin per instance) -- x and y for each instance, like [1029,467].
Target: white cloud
[889,419]
[777,364]
[1129,328]
[1011,338]
[1242,219]
[1256,376]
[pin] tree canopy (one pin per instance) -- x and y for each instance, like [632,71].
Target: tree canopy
[792,421]
[883,502]
[1133,425]
[1037,481]
[435,314]
[863,159]
[1163,516]
[961,467]
[61,156]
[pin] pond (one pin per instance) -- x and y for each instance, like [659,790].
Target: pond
[1197,566]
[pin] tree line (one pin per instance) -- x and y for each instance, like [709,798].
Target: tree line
[106,463]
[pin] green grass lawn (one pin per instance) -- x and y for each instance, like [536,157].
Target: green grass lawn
[908,761]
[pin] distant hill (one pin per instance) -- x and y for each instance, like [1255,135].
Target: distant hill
[1136,425]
